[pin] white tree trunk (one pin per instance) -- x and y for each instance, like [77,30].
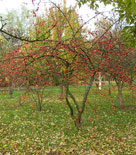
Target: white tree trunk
[100,81]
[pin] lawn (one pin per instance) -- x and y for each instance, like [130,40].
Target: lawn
[106,129]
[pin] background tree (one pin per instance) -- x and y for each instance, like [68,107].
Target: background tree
[125,8]
[66,22]
[17,24]
[116,54]
[126,11]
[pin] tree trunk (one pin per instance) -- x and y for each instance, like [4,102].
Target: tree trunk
[77,121]
[10,90]
[100,81]
[131,91]
[19,96]
[109,81]
[120,94]
[61,96]
[39,103]
[39,107]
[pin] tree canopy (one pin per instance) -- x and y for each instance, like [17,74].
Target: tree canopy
[126,10]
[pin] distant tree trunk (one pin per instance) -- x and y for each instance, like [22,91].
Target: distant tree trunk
[131,90]
[39,106]
[10,90]
[109,81]
[100,81]
[61,96]
[19,96]
[120,96]
[132,93]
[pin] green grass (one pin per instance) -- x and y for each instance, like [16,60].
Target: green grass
[106,129]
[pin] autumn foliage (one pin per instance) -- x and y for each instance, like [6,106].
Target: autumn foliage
[68,57]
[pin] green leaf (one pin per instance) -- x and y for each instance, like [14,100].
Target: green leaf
[6,79]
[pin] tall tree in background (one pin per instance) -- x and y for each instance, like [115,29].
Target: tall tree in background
[66,26]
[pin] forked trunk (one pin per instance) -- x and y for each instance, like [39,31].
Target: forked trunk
[79,111]
[77,121]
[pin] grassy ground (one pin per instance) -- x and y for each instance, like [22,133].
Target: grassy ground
[106,128]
